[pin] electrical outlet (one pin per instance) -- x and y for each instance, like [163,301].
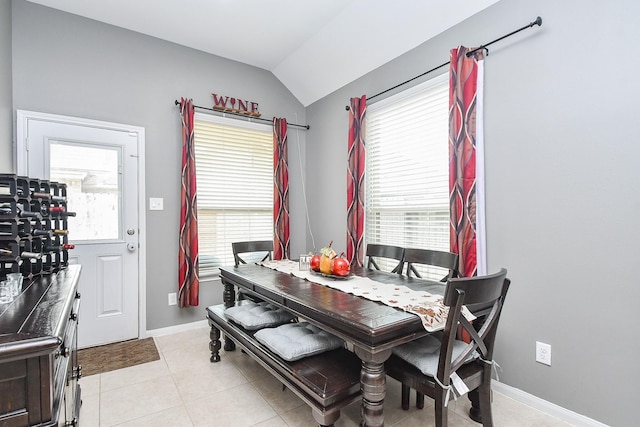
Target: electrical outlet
[543,353]
[173,299]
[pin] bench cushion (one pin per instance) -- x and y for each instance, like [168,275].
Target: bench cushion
[294,341]
[251,315]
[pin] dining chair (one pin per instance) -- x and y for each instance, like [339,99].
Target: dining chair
[441,366]
[258,250]
[387,252]
[250,252]
[431,258]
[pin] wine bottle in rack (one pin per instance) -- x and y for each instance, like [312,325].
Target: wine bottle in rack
[44,209]
[22,254]
[36,232]
[6,252]
[30,255]
[40,195]
[67,246]
[8,211]
[42,234]
[58,199]
[58,232]
[57,209]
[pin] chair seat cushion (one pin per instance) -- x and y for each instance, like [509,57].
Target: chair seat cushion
[424,353]
[251,315]
[294,341]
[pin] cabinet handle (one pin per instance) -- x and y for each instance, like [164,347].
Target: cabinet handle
[77,295]
[64,352]
[77,372]
[74,316]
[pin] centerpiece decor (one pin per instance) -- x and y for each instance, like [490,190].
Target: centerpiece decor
[329,263]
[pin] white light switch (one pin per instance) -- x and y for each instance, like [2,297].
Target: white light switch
[156,203]
[173,299]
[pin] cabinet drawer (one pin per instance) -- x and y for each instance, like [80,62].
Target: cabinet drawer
[13,385]
[16,419]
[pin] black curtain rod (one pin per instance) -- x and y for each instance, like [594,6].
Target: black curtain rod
[537,22]
[245,116]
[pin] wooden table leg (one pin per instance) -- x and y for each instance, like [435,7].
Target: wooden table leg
[228,294]
[474,412]
[373,386]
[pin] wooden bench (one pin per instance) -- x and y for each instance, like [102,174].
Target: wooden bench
[326,382]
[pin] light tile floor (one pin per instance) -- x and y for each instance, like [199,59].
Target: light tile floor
[184,389]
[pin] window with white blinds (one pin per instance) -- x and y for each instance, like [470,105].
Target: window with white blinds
[407,176]
[234,172]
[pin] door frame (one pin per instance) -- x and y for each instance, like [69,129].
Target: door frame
[22,122]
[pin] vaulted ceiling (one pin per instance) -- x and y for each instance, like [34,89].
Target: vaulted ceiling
[312,46]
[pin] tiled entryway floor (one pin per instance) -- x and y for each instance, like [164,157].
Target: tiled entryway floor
[184,389]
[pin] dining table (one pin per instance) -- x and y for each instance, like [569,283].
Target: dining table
[370,328]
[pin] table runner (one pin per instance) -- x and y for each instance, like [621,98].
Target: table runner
[430,308]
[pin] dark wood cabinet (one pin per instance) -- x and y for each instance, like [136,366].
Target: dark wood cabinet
[39,368]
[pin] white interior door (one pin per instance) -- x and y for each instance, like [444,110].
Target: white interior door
[99,164]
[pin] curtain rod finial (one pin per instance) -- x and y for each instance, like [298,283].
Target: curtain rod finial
[347,108]
[537,22]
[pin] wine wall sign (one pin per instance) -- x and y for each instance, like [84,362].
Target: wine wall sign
[235,105]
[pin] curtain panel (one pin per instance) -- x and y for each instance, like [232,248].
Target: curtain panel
[355,181]
[281,247]
[188,281]
[466,161]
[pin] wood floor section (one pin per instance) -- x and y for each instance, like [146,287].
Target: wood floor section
[105,358]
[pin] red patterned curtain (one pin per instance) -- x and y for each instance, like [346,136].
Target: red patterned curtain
[281,190]
[466,162]
[188,282]
[355,181]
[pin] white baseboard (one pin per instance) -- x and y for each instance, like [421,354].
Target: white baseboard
[176,328]
[552,409]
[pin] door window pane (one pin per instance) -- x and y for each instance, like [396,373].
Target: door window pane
[93,188]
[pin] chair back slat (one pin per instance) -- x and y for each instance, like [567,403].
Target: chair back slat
[254,246]
[385,251]
[429,257]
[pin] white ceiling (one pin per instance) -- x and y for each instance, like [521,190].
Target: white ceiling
[312,46]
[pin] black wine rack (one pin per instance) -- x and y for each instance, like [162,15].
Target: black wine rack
[34,237]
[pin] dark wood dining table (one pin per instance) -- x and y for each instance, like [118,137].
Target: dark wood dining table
[372,328]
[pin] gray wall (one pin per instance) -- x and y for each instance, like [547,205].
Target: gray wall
[6,112]
[560,156]
[68,65]
[562,190]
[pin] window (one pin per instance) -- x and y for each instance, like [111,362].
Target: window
[94,187]
[234,170]
[407,175]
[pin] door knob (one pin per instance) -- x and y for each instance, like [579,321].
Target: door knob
[131,231]
[131,247]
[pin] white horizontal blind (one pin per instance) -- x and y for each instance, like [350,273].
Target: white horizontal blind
[234,171]
[407,176]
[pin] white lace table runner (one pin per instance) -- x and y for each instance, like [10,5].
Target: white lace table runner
[430,308]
